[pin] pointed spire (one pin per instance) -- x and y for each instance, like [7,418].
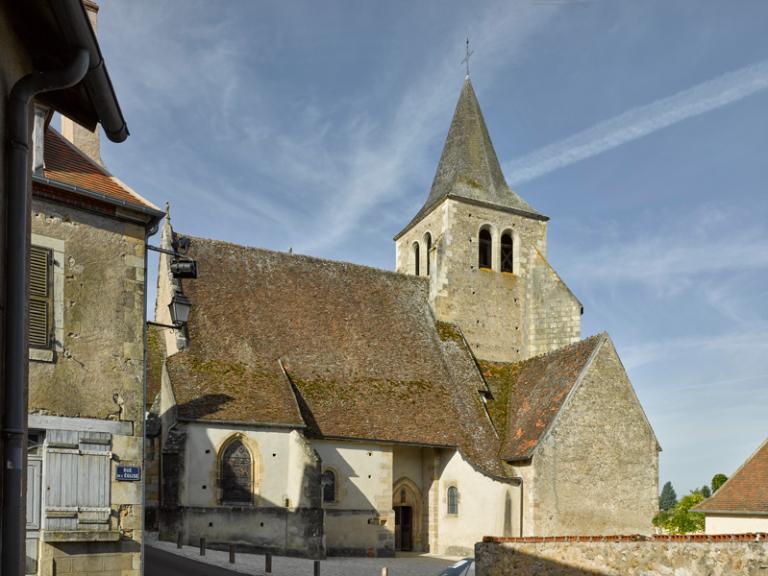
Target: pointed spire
[468,166]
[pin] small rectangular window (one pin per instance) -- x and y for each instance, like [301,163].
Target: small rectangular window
[40,297]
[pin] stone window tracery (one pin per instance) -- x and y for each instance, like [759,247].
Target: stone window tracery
[236,473]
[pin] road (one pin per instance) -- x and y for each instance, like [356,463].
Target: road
[159,563]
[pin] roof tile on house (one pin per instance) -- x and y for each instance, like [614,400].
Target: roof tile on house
[529,394]
[65,164]
[746,492]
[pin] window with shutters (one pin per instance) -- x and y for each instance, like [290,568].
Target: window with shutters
[236,473]
[40,297]
[77,481]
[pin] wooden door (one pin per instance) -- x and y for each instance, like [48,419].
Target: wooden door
[403,528]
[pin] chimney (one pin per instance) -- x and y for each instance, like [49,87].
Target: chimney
[85,140]
[40,123]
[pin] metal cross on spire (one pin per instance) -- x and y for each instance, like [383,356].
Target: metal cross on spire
[466,58]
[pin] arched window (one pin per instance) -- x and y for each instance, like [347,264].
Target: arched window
[329,486]
[453,500]
[486,248]
[416,258]
[506,252]
[428,242]
[236,473]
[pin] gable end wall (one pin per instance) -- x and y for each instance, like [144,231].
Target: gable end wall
[596,471]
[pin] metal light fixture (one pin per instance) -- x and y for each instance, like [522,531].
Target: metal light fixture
[180,307]
[184,267]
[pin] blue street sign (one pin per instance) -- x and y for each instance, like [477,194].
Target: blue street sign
[128,473]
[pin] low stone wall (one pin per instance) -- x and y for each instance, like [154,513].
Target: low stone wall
[696,555]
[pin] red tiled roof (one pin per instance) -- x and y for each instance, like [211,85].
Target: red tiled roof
[746,491]
[65,164]
[529,394]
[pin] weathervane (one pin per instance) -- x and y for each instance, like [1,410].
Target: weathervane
[466,58]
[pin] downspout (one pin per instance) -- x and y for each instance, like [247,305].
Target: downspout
[16,346]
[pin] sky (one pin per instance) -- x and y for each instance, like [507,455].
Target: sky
[640,128]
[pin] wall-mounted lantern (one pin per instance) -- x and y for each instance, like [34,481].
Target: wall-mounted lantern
[180,307]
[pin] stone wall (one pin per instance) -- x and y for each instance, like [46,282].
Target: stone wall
[596,469]
[745,555]
[95,369]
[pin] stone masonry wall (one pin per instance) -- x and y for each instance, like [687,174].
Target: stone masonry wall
[96,369]
[596,470]
[745,555]
[489,305]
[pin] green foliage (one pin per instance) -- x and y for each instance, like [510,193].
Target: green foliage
[680,519]
[717,481]
[668,498]
[705,491]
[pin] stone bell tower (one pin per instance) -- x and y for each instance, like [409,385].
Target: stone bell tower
[484,250]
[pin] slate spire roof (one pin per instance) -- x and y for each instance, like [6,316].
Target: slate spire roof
[468,167]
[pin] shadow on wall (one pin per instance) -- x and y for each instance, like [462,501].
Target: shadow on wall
[522,563]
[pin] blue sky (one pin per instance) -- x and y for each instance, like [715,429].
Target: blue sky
[640,128]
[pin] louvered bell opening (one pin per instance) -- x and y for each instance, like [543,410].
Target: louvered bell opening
[39,297]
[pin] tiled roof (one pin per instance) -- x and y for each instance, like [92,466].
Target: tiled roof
[468,165]
[529,394]
[65,164]
[746,492]
[361,353]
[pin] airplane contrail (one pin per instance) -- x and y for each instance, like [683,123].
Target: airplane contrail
[638,122]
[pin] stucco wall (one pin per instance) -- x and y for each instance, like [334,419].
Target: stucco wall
[285,516]
[596,470]
[624,558]
[482,507]
[361,520]
[504,316]
[724,524]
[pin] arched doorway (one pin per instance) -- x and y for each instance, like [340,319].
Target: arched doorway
[406,502]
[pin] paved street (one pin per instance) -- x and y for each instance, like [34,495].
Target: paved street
[161,563]
[163,558]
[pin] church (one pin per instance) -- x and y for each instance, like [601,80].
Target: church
[311,407]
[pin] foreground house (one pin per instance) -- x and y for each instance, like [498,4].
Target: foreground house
[312,406]
[741,504]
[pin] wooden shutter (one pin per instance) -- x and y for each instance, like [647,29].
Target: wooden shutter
[40,300]
[78,480]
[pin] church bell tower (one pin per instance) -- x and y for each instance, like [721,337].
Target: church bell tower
[483,249]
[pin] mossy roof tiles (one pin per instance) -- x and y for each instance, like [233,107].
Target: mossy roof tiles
[529,394]
[348,350]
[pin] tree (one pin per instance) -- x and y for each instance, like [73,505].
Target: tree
[680,519]
[705,491]
[668,498]
[717,481]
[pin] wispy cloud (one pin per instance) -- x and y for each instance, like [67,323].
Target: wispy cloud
[678,253]
[640,122]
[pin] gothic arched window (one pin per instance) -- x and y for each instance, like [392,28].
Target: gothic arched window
[453,500]
[507,261]
[428,242]
[236,473]
[329,486]
[485,249]
[416,258]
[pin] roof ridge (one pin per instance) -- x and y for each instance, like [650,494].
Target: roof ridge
[308,257]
